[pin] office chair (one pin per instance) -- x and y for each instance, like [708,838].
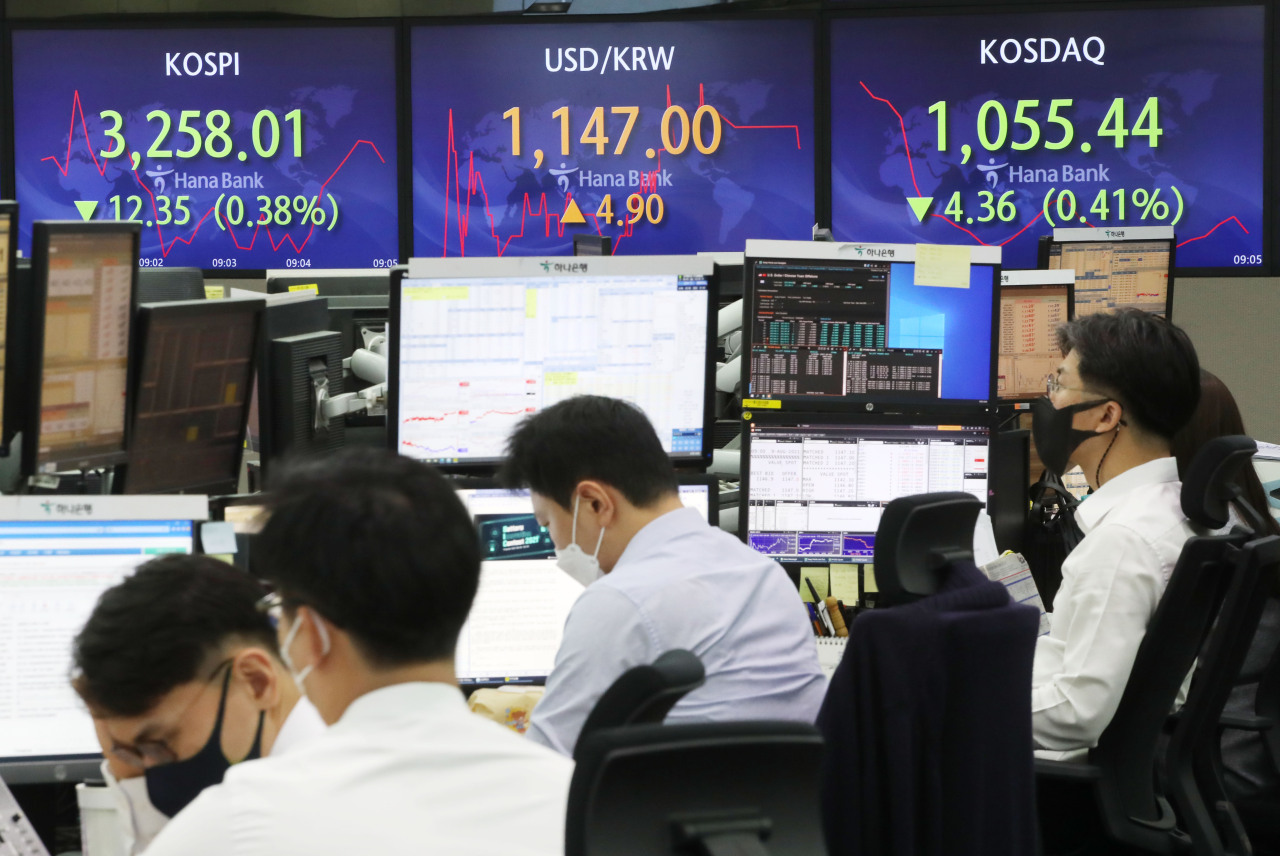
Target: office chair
[1120,771]
[720,789]
[161,284]
[1193,760]
[645,694]
[928,716]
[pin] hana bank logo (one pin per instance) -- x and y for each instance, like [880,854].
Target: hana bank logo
[546,267]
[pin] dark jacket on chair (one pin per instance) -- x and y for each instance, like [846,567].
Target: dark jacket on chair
[928,727]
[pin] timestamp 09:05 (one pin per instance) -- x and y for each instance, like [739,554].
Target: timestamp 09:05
[1247,259]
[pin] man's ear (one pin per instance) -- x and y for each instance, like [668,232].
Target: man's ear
[600,499]
[257,668]
[1112,415]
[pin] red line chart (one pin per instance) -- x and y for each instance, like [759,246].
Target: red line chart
[456,192]
[77,110]
[902,125]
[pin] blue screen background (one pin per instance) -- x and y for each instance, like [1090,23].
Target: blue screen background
[342,78]
[757,184]
[958,320]
[1204,64]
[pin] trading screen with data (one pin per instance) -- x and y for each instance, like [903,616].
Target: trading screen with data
[1029,319]
[514,628]
[816,490]
[51,575]
[1113,275]
[864,330]
[89,281]
[477,354]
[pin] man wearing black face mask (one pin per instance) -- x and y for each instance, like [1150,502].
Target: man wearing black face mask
[182,675]
[1128,382]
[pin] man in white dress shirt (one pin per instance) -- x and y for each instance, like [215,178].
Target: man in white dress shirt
[182,672]
[375,563]
[657,576]
[1128,382]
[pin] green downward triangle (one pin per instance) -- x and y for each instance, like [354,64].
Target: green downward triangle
[919,204]
[86,207]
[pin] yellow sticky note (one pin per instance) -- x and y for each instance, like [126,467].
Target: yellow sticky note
[229,393]
[818,575]
[869,580]
[193,433]
[942,265]
[531,304]
[560,378]
[762,403]
[312,287]
[215,292]
[845,584]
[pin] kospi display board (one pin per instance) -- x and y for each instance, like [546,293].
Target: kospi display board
[669,137]
[245,148]
[995,128]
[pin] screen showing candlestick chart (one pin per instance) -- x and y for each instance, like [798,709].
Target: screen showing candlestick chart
[997,128]
[668,137]
[245,148]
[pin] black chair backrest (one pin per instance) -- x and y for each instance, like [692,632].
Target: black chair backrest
[645,694]
[1132,809]
[1209,484]
[1192,760]
[1267,704]
[918,537]
[725,787]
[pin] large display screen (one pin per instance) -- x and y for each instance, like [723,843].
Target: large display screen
[668,137]
[481,343]
[828,325]
[234,148]
[994,129]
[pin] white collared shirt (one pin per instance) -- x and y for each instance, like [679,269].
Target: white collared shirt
[683,584]
[407,769]
[1134,530]
[140,821]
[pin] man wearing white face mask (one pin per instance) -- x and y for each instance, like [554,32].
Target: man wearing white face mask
[183,676]
[375,563]
[657,578]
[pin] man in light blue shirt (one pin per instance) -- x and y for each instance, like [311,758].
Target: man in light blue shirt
[657,576]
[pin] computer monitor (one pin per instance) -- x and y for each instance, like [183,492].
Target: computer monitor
[479,343]
[289,318]
[57,555]
[84,276]
[827,325]
[8,263]
[592,245]
[162,284]
[193,373]
[1032,305]
[516,622]
[815,485]
[1115,268]
[330,283]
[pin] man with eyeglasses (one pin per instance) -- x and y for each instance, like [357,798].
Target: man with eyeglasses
[182,675]
[1127,383]
[376,562]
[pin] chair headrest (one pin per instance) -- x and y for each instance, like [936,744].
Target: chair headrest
[918,537]
[1208,485]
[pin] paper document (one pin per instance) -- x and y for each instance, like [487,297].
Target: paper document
[1013,572]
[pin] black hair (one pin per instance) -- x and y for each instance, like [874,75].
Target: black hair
[159,628]
[379,545]
[1146,363]
[589,437]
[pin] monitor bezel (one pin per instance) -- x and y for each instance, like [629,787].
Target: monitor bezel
[1071,314]
[80,766]
[41,232]
[9,208]
[144,319]
[849,251]
[965,417]
[533,267]
[285,281]
[1047,242]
